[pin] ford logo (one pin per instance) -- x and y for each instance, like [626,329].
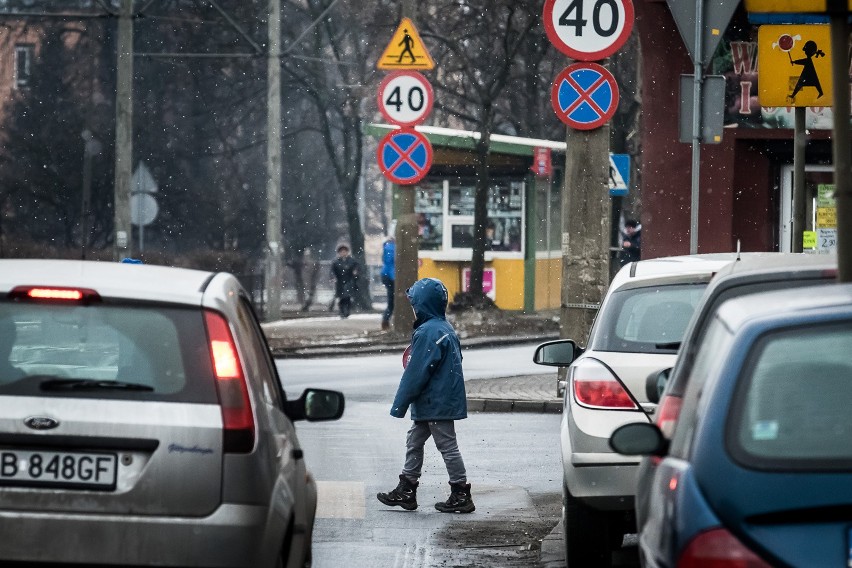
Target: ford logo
[41,423]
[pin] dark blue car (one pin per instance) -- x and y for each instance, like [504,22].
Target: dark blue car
[759,470]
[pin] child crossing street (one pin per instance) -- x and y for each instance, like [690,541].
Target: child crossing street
[432,385]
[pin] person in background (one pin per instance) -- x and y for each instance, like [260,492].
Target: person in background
[344,270]
[432,385]
[388,277]
[631,242]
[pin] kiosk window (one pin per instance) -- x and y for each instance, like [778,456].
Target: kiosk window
[429,209]
[446,208]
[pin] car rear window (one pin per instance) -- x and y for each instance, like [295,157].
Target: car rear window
[102,350]
[650,319]
[794,403]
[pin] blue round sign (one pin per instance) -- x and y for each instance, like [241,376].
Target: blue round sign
[405,156]
[584,96]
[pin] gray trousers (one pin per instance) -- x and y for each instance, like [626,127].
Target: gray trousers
[444,433]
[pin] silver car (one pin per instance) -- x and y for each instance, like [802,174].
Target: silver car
[142,422]
[637,331]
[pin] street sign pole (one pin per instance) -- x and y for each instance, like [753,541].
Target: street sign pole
[406,262]
[701,32]
[800,143]
[696,126]
[839,17]
[122,243]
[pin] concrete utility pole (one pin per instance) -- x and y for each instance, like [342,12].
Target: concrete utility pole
[123,132]
[585,230]
[406,239]
[273,165]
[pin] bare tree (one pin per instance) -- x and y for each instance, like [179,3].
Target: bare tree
[327,59]
[41,161]
[479,43]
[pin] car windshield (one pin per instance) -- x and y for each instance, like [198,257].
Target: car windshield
[796,395]
[104,350]
[651,319]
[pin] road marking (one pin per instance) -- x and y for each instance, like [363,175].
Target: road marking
[340,500]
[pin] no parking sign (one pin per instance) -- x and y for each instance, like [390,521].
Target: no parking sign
[405,156]
[584,96]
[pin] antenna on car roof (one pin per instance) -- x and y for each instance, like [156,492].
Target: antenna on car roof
[738,250]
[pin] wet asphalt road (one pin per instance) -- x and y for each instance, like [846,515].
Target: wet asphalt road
[512,459]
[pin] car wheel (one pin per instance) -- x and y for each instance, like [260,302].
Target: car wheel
[587,538]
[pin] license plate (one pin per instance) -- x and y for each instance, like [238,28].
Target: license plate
[58,469]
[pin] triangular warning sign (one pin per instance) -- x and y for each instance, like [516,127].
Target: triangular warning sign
[406,50]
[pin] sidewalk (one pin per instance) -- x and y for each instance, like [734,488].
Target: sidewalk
[319,334]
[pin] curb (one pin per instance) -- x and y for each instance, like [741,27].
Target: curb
[504,405]
[363,348]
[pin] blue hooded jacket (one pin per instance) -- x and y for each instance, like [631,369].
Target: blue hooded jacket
[389,259]
[432,383]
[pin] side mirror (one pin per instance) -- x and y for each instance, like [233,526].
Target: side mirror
[639,439]
[316,405]
[655,384]
[559,353]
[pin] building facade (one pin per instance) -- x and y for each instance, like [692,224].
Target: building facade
[745,196]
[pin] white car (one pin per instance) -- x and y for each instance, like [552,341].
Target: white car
[637,332]
[142,422]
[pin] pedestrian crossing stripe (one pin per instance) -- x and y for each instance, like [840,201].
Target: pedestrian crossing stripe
[340,500]
[406,50]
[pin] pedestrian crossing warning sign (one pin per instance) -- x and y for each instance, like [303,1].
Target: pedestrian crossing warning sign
[406,50]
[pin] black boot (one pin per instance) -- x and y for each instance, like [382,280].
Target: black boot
[460,500]
[405,495]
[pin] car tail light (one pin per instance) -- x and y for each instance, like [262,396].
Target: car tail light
[718,548]
[596,386]
[237,417]
[667,414]
[53,294]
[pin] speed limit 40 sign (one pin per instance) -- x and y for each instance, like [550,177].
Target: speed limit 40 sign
[588,30]
[405,98]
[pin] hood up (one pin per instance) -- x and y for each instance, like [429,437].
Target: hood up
[428,297]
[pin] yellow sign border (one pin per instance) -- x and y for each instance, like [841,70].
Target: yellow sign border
[391,58]
[778,69]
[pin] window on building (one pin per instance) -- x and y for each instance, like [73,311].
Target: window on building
[23,64]
[430,215]
[548,216]
[446,209]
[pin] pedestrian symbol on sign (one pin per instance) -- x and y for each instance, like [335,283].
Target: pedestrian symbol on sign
[406,42]
[406,50]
